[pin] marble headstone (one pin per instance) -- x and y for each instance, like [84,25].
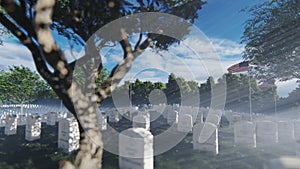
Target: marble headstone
[209,141]
[244,134]
[68,134]
[266,132]
[136,149]
[185,123]
[11,124]
[33,128]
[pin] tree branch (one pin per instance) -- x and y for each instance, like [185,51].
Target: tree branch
[138,42]
[28,42]
[18,13]
[121,69]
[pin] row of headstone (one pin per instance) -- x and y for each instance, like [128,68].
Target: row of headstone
[265,132]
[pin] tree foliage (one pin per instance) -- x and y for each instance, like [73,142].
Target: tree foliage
[272,36]
[21,85]
[84,18]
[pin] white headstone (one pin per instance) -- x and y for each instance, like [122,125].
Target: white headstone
[167,109]
[159,109]
[102,121]
[193,111]
[266,132]
[68,134]
[51,118]
[172,117]
[22,120]
[235,118]
[297,129]
[154,115]
[185,123]
[2,120]
[244,134]
[11,124]
[214,119]
[113,116]
[211,141]
[33,128]
[285,131]
[136,149]
[204,112]
[141,121]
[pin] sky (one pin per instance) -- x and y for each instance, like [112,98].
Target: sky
[212,46]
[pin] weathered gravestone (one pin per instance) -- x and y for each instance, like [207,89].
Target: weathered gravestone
[285,131]
[68,134]
[244,134]
[141,121]
[209,141]
[136,149]
[33,127]
[11,124]
[185,123]
[266,132]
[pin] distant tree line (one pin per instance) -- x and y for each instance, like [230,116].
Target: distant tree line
[20,85]
[178,90]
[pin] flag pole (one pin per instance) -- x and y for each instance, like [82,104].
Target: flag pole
[243,67]
[275,101]
[250,97]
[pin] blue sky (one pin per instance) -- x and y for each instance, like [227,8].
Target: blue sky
[221,25]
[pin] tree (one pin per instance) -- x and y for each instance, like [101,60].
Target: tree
[172,90]
[31,23]
[20,85]
[206,91]
[272,39]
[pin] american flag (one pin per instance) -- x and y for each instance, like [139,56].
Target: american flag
[240,67]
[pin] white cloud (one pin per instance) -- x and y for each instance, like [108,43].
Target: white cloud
[195,58]
[15,54]
[225,47]
[284,88]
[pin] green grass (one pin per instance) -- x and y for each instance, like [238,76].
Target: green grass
[17,153]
